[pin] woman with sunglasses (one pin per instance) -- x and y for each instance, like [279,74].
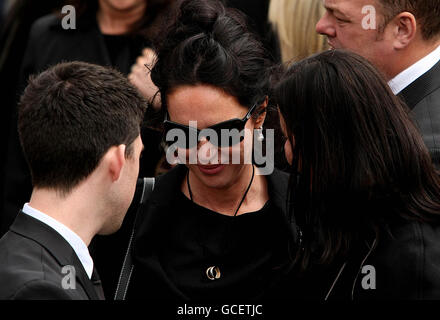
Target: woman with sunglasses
[212,229]
[365,193]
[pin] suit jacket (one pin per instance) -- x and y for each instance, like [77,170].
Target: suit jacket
[423,98]
[38,263]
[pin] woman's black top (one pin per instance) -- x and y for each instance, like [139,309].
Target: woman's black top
[116,45]
[200,238]
[178,241]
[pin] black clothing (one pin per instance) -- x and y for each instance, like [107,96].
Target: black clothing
[423,98]
[406,262]
[116,44]
[257,13]
[14,35]
[33,256]
[49,44]
[212,239]
[177,240]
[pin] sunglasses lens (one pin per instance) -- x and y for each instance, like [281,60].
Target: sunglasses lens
[229,133]
[223,135]
[182,137]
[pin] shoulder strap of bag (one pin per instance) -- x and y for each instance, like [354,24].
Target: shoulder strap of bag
[127,266]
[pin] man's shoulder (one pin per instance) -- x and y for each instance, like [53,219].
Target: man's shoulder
[16,248]
[423,98]
[38,289]
[424,91]
[29,271]
[431,99]
[25,264]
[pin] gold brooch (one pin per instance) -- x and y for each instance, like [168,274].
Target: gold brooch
[213,273]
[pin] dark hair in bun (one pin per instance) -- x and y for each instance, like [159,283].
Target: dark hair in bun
[208,43]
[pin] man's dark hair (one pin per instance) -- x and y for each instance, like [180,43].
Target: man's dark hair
[426,12]
[359,160]
[70,115]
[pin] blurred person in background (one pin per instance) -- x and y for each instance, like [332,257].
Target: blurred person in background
[3,10]
[20,15]
[256,11]
[294,23]
[5,6]
[109,33]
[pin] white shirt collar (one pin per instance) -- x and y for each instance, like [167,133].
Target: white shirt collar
[71,237]
[408,76]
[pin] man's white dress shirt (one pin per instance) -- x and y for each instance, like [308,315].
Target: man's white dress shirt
[71,237]
[418,69]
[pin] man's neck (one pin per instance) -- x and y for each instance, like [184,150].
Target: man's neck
[69,210]
[117,22]
[415,53]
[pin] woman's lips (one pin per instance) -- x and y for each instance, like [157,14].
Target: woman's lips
[211,169]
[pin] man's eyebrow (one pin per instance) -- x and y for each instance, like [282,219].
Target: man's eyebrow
[334,9]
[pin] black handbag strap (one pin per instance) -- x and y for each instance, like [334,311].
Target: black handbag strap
[127,266]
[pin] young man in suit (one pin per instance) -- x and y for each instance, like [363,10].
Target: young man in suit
[402,39]
[79,126]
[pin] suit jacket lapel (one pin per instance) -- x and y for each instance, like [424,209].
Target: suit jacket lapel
[83,278]
[422,87]
[56,245]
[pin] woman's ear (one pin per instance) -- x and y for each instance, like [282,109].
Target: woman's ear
[262,113]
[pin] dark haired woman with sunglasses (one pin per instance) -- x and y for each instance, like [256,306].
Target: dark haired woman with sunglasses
[212,229]
[365,193]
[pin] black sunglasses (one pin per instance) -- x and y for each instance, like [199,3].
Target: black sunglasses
[237,125]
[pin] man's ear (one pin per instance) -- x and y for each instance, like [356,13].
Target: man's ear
[262,110]
[405,29]
[115,159]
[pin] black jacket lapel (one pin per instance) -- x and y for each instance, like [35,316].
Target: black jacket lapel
[421,87]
